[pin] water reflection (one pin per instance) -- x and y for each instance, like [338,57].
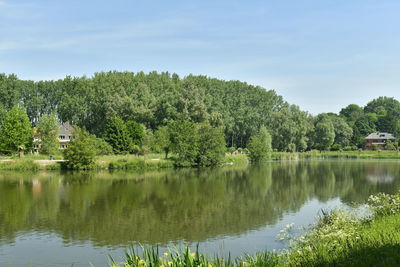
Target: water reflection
[193,205]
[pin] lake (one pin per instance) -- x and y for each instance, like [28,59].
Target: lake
[60,219]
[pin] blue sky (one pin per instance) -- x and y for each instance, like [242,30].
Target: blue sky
[320,55]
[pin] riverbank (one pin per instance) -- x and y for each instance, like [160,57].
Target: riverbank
[338,239]
[114,162]
[157,161]
[361,154]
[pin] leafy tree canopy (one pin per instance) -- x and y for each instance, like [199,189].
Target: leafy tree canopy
[260,145]
[16,133]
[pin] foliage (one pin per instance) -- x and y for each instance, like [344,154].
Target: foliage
[81,151]
[151,100]
[47,131]
[148,142]
[324,133]
[103,148]
[136,132]
[162,139]
[136,163]
[117,135]
[390,146]
[231,149]
[343,239]
[290,127]
[260,146]
[211,145]
[20,165]
[184,142]
[336,147]
[16,132]
[184,257]
[384,204]
[343,132]
[352,113]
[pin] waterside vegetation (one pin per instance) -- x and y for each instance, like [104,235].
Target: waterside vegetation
[193,117]
[339,238]
[158,161]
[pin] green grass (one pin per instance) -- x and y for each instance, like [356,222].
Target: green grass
[339,238]
[363,154]
[19,165]
[240,159]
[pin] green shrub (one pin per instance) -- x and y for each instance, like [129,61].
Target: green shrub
[103,148]
[81,151]
[390,146]
[348,148]
[336,147]
[230,149]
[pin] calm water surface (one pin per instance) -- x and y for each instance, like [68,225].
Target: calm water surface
[59,219]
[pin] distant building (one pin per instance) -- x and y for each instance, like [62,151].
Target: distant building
[378,139]
[65,134]
[64,137]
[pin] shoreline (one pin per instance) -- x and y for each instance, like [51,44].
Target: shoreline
[155,161]
[338,238]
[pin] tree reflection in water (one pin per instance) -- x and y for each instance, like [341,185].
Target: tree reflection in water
[193,205]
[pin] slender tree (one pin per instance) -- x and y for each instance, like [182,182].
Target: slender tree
[163,140]
[47,131]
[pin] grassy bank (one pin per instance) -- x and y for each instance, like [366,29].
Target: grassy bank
[157,161]
[114,162]
[362,154]
[338,239]
[19,165]
[132,162]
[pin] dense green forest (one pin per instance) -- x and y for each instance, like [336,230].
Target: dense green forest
[157,99]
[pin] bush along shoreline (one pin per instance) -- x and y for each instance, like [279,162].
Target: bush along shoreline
[339,238]
[157,161]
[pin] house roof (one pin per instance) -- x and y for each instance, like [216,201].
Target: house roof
[66,129]
[380,136]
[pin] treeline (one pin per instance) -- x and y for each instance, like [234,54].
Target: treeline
[155,100]
[151,99]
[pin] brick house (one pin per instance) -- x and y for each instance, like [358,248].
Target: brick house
[378,139]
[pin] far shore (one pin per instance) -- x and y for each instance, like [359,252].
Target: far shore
[158,161]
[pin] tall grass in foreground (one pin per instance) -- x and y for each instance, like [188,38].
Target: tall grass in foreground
[150,256]
[339,238]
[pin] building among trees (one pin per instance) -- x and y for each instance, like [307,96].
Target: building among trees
[378,140]
[64,137]
[65,134]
